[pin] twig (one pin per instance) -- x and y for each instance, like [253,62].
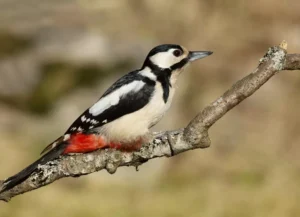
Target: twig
[165,144]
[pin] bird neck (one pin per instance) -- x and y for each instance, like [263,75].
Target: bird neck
[163,76]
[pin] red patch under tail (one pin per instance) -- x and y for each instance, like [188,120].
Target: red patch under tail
[83,143]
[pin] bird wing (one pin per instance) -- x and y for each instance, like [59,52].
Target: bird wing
[123,97]
[129,94]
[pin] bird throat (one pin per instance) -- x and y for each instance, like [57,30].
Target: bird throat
[163,76]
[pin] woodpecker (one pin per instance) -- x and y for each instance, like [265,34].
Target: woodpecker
[123,115]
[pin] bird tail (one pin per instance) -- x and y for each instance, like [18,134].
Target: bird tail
[12,181]
[77,143]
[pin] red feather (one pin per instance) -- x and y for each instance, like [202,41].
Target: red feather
[82,143]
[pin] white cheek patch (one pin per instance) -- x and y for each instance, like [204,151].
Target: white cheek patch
[165,59]
[114,97]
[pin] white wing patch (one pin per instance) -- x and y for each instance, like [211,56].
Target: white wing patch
[114,97]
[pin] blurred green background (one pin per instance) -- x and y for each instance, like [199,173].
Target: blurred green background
[57,57]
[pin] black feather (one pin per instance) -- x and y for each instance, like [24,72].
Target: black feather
[128,103]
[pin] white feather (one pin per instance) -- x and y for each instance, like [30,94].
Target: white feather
[114,97]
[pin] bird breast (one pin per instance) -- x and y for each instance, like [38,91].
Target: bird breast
[134,125]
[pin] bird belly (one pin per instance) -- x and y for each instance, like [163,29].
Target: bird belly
[136,125]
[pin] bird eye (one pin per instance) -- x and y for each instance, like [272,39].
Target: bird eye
[177,53]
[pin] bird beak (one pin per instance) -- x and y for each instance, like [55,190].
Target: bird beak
[195,55]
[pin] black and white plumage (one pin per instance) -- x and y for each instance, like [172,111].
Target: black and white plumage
[126,111]
[140,98]
[129,94]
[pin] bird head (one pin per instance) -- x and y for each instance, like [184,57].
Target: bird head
[172,57]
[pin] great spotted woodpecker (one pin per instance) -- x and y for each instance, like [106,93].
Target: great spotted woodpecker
[123,115]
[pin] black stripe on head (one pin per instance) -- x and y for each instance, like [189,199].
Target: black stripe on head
[164,48]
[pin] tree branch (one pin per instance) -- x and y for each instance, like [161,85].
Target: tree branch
[165,144]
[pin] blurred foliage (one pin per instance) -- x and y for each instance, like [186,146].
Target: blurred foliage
[57,80]
[57,57]
[11,44]
[60,78]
